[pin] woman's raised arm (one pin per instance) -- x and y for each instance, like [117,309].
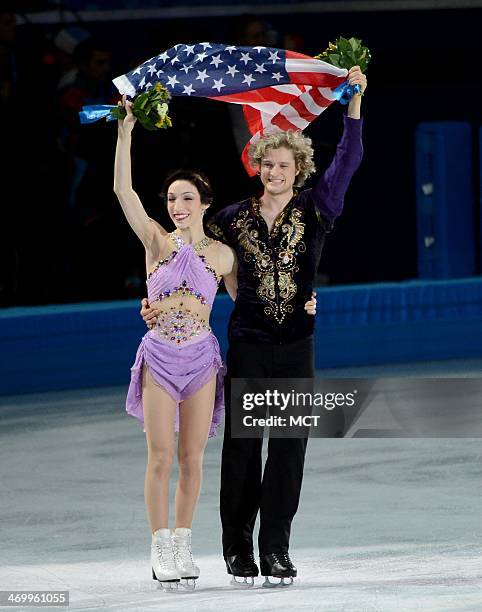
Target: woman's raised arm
[128,198]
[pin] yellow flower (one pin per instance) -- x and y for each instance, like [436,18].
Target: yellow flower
[163,118]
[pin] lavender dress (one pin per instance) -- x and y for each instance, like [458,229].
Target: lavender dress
[181,352]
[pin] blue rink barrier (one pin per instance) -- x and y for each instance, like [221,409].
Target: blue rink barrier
[48,348]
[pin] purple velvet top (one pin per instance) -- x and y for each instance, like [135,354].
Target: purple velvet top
[329,192]
[276,269]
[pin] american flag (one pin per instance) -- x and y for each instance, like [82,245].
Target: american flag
[278,89]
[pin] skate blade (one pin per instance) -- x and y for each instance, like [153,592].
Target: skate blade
[169,586]
[243,582]
[273,585]
[166,585]
[189,583]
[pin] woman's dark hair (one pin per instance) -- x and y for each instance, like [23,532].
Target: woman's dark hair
[198,179]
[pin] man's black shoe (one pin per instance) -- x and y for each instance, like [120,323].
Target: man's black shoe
[242,565]
[278,565]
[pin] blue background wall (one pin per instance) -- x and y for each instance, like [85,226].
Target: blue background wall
[88,345]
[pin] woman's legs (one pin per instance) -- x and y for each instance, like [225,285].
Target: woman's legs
[159,418]
[195,416]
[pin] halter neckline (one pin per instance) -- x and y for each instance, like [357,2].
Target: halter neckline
[179,243]
[185,272]
[197,246]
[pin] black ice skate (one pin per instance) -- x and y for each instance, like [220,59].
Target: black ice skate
[277,565]
[242,566]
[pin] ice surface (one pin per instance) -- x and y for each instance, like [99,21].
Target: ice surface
[388,524]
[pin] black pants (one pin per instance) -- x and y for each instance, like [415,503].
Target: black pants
[244,488]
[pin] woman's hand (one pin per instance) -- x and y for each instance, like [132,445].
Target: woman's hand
[356,77]
[149,314]
[126,125]
[310,305]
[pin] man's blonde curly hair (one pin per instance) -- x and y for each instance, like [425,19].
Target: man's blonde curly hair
[300,145]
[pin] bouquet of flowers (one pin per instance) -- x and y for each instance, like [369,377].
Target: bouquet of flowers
[346,53]
[149,107]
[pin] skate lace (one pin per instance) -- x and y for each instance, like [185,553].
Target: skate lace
[182,550]
[164,554]
[282,558]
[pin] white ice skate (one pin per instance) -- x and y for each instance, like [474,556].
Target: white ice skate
[164,568]
[188,570]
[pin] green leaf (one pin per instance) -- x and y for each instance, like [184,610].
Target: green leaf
[355,43]
[141,115]
[119,112]
[146,123]
[362,60]
[141,100]
[352,58]
[343,45]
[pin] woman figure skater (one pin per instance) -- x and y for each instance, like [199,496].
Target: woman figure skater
[176,380]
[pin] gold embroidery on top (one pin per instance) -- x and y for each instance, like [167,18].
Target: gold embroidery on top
[256,204]
[291,241]
[257,251]
[278,222]
[265,266]
[215,229]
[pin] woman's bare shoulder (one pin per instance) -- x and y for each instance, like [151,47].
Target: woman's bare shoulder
[226,258]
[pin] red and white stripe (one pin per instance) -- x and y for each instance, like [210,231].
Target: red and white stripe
[290,106]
